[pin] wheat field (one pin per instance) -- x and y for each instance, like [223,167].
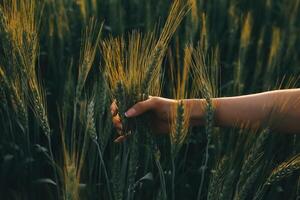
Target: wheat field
[63,62]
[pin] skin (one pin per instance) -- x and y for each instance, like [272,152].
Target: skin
[278,109]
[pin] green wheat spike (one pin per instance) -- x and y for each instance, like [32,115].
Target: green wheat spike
[120,95]
[154,61]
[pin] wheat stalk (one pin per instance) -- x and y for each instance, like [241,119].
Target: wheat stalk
[226,192]
[3,86]
[208,128]
[284,170]
[217,179]
[249,170]
[133,166]
[93,135]
[71,181]
[178,10]
[249,183]
[116,179]
[88,52]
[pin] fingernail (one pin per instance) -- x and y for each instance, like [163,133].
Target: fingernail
[119,139]
[116,140]
[130,112]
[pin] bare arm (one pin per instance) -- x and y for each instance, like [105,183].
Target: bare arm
[280,109]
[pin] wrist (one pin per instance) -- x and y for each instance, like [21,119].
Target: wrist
[196,110]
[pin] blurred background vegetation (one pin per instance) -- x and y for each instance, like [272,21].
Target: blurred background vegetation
[56,138]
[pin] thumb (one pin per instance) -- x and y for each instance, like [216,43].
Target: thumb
[140,107]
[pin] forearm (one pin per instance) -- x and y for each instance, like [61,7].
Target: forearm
[280,110]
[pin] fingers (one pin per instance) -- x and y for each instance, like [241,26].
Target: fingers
[117,122]
[134,111]
[141,107]
[120,139]
[116,119]
[114,108]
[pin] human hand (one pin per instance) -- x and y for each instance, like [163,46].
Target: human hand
[161,113]
[160,116]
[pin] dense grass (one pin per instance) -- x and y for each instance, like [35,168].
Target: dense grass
[62,62]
